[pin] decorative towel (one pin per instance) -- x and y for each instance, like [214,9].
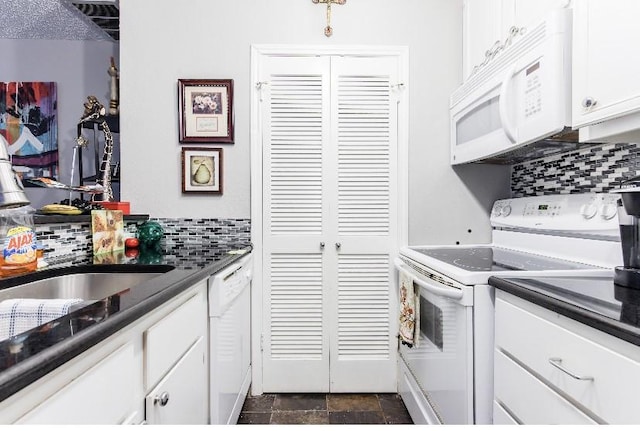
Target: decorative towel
[21,314]
[409,311]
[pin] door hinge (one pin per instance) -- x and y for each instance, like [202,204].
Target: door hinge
[262,342]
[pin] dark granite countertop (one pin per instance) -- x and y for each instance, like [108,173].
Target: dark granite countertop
[26,357]
[595,302]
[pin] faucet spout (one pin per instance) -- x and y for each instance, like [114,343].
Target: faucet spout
[11,189]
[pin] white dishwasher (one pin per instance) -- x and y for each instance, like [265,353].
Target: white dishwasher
[230,340]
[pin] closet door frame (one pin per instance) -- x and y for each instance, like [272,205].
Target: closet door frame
[257,52]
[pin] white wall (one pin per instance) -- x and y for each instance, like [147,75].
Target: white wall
[164,40]
[79,67]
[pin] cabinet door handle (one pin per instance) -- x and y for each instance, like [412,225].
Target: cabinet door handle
[338,245]
[322,245]
[162,399]
[589,102]
[556,362]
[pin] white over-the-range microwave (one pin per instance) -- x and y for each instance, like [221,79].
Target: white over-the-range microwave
[518,106]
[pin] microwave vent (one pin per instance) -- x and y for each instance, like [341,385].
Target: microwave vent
[561,142]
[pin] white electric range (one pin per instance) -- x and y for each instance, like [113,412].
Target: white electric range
[447,377]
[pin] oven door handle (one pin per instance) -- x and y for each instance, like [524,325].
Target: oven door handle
[448,292]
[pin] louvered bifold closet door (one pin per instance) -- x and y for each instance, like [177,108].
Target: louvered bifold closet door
[294,117]
[364,132]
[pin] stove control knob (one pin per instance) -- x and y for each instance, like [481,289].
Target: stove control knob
[608,211]
[496,211]
[588,211]
[506,210]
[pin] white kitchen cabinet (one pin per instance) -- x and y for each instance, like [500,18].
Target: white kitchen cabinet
[550,406]
[501,416]
[550,369]
[487,23]
[482,27]
[527,13]
[100,395]
[176,365]
[605,69]
[169,339]
[180,398]
[107,384]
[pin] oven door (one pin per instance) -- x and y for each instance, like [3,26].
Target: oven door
[441,364]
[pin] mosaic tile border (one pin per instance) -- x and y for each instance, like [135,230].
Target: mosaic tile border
[73,240]
[192,233]
[66,240]
[591,170]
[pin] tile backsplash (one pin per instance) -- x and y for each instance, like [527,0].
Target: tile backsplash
[591,169]
[73,240]
[181,233]
[64,239]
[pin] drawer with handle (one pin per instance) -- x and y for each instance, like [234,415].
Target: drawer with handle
[541,405]
[589,374]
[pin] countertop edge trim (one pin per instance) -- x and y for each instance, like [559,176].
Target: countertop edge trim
[578,314]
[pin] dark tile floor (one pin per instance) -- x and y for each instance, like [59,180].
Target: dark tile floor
[324,409]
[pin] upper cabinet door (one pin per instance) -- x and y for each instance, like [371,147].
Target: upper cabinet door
[487,23]
[605,69]
[527,13]
[481,23]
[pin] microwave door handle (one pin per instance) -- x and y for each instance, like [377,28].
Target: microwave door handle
[502,103]
[448,292]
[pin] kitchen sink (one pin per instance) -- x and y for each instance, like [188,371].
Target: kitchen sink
[82,285]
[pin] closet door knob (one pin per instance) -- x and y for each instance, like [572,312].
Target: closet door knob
[338,245]
[322,245]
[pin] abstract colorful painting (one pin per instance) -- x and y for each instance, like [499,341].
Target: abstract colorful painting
[29,128]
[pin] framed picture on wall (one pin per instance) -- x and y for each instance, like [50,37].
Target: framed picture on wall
[205,110]
[29,128]
[202,170]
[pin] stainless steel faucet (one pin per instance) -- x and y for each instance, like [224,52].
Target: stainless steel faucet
[11,189]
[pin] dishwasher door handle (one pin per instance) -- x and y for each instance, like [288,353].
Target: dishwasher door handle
[447,292]
[229,271]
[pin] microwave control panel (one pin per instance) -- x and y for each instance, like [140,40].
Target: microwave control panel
[532,90]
